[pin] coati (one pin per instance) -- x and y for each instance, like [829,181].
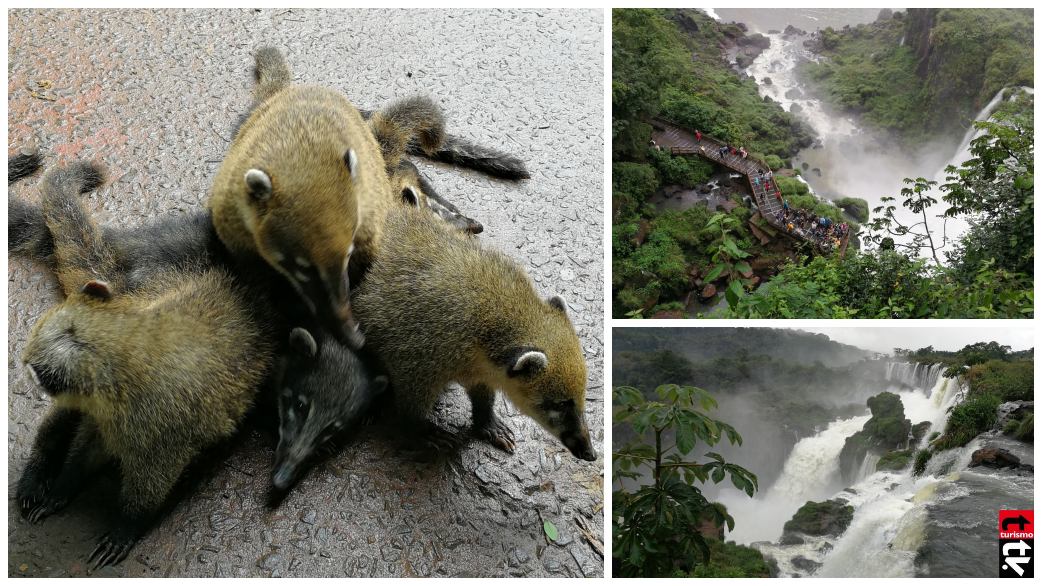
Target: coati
[142,377]
[331,388]
[180,256]
[304,186]
[437,308]
[416,191]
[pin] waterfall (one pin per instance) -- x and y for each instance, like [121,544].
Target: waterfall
[811,472]
[868,468]
[932,525]
[914,374]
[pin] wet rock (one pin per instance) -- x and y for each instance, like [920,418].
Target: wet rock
[390,553]
[564,537]
[791,539]
[827,518]
[708,291]
[795,108]
[586,566]
[269,561]
[994,458]
[223,523]
[794,94]
[805,564]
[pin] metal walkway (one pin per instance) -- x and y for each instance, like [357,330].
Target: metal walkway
[681,141]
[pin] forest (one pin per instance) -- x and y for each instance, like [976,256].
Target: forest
[669,63]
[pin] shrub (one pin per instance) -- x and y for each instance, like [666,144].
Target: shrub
[967,421]
[773,161]
[921,458]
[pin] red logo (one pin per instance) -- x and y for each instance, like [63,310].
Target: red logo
[1016,524]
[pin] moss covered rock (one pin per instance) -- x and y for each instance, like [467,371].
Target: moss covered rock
[828,518]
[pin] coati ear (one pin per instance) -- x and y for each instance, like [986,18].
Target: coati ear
[258,185]
[557,302]
[351,159]
[98,290]
[529,362]
[302,344]
[380,384]
[410,197]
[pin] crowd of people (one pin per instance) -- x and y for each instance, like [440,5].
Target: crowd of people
[820,230]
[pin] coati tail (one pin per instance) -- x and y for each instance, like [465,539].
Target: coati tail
[79,248]
[22,165]
[273,74]
[27,231]
[458,151]
[413,121]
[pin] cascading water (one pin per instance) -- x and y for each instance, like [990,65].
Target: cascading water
[914,374]
[847,161]
[811,472]
[895,514]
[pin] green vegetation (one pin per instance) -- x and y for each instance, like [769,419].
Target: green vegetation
[894,460]
[990,384]
[656,524]
[658,69]
[886,430]
[827,518]
[952,63]
[922,457]
[728,560]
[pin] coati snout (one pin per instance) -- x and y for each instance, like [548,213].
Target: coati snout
[325,390]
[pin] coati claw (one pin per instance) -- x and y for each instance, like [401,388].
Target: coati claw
[441,440]
[110,551]
[498,434]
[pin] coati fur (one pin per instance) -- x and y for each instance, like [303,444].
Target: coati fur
[437,307]
[145,378]
[331,390]
[415,190]
[333,378]
[304,186]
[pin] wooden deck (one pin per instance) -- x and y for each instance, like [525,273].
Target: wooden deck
[681,141]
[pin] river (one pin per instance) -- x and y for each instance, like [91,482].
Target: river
[850,160]
[942,524]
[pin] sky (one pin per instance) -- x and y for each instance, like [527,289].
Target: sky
[885,339]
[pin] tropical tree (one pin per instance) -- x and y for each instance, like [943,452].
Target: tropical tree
[656,519]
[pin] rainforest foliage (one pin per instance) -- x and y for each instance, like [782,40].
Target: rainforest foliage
[657,511]
[668,63]
[925,75]
[920,75]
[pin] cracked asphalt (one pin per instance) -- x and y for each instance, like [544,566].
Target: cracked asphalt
[152,95]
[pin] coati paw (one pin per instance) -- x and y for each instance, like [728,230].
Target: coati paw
[441,440]
[43,510]
[113,548]
[498,434]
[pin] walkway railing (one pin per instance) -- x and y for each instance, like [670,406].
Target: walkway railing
[682,141]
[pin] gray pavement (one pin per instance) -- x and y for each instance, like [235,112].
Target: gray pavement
[152,94]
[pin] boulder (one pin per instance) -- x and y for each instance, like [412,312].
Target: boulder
[994,458]
[708,291]
[802,563]
[1012,410]
[747,274]
[727,206]
[827,518]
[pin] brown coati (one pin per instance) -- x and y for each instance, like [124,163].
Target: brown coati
[145,378]
[416,191]
[304,186]
[437,308]
[181,264]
